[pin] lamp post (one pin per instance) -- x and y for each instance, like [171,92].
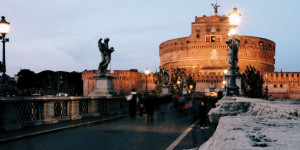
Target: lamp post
[147,72]
[232,59]
[4,28]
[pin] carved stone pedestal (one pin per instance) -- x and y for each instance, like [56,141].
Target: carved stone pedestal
[165,90]
[103,87]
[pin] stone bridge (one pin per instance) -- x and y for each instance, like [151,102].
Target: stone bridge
[19,112]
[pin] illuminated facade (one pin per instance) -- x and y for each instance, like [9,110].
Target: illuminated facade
[203,54]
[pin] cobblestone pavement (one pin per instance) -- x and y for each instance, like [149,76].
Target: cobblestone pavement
[140,134]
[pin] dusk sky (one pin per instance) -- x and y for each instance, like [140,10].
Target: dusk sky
[62,35]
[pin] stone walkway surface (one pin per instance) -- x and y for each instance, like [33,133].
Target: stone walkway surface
[6,136]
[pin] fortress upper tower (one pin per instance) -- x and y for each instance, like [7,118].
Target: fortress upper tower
[205,48]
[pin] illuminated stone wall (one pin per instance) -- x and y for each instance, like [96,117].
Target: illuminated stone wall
[283,85]
[123,81]
[203,54]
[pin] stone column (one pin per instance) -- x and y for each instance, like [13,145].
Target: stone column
[48,113]
[94,109]
[10,117]
[74,110]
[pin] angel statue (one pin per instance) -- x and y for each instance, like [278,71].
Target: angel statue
[105,54]
[166,76]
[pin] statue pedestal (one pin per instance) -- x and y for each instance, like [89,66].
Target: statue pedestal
[165,90]
[103,86]
[184,91]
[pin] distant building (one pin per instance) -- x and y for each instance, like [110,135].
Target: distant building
[123,81]
[283,85]
[203,56]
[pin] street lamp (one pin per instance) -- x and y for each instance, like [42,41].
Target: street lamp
[147,72]
[232,59]
[4,28]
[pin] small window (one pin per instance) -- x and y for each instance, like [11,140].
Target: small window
[218,29]
[207,28]
[260,43]
[197,29]
[198,35]
[187,41]
[275,86]
[213,38]
[246,41]
[281,85]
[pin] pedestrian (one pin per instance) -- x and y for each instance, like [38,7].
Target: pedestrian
[140,105]
[132,99]
[202,114]
[149,103]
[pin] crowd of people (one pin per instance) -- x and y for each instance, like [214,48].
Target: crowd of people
[189,105]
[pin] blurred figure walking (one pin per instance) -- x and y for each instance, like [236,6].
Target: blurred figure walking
[140,105]
[202,114]
[132,98]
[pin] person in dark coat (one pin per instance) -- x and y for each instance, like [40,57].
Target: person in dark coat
[140,104]
[132,98]
[202,114]
[149,103]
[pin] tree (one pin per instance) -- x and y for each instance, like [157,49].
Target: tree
[252,83]
[159,82]
[191,85]
[176,81]
[27,82]
[72,84]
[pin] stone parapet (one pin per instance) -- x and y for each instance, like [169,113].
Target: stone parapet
[19,112]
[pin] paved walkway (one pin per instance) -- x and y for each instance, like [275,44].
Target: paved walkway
[169,129]
[6,136]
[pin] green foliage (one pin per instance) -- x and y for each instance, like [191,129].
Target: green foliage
[176,81]
[191,85]
[252,83]
[159,82]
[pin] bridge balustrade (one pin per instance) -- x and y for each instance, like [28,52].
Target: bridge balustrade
[19,112]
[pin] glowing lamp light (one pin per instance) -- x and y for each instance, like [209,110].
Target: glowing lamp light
[224,82]
[178,82]
[191,86]
[4,26]
[147,71]
[232,32]
[234,17]
[225,71]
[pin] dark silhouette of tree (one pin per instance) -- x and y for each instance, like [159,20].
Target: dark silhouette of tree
[73,84]
[252,83]
[27,82]
[49,82]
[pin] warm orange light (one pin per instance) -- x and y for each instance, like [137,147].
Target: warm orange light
[4,26]
[234,17]
[147,71]
[232,32]
[224,82]
[225,71]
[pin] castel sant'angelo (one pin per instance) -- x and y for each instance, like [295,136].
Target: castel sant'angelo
[203,55]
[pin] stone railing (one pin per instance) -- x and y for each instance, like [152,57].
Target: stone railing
[19,112]
[254,107]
